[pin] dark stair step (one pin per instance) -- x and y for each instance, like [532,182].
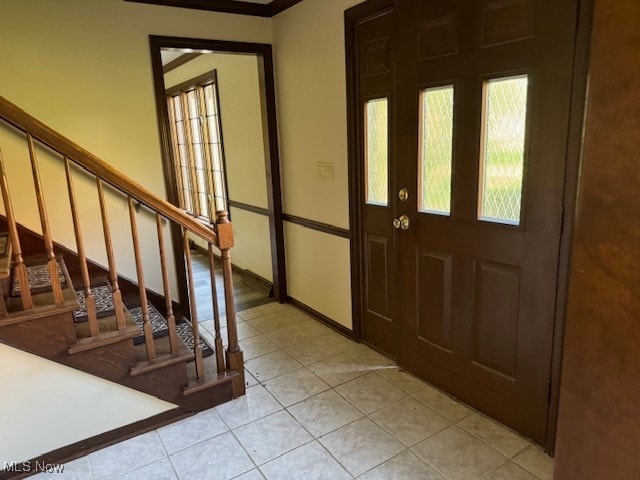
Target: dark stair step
[41,294]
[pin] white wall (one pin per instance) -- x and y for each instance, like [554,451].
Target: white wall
[40,396]
[239,91]
[83,67]
[311,94]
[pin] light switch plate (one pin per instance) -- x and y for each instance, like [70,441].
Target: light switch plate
[324,171]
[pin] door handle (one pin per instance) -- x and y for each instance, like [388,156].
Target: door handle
[401,223]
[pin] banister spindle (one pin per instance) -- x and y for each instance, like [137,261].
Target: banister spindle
[171,319]
[90,303]
[56,286]
[142,289]
[113,272]
[235,360]
[20,269]
[194,309]
[216,313]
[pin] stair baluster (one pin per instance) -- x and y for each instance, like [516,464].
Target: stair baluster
[216,313]
[113,272]
[20,269]
[197,347]
[171,319]
[146,324]
[235,359]
[90,303]
[56,286]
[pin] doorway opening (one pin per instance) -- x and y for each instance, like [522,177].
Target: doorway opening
[217,121]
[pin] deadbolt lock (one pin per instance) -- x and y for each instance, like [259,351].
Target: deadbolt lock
[403,194]
[401,223]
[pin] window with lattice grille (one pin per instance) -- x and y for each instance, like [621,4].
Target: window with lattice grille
[196,133]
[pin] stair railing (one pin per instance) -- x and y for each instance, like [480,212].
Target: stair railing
[218,235]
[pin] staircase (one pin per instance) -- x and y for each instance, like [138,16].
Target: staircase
[86,319]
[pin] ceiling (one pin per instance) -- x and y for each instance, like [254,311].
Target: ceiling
[259,8]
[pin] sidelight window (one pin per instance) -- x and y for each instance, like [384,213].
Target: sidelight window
[376,142]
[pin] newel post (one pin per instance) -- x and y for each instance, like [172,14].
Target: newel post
[235,360]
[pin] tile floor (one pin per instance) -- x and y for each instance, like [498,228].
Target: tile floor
[320,406]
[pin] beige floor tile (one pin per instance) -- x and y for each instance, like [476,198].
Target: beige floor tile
[272,365]
[222,455]
[249,379]
[361,445]
[324,413]
[254,474]
[192,430]
[160,470]
[498,436]
[338,369]
[366,355]
[127,456]
[309,462]
[406,466]
[402,379]
[312,351]
[458,455]
[510,471]
[535,461]
[442,404]
[252,313]
[257,346]
[271,436]
[315,326]
[271,322]
[290,335]
[337,340]
[370,393]
[245,330]
[295,386]
[257,403]
[409,421]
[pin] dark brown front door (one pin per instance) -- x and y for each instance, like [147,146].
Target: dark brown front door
[480,112]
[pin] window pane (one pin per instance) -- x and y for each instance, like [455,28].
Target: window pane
[204,204]
[213,129]
[202,182]
[186,179]
[502,157]
[377,150]
[188,206]
[180,131]
[210,99]
[194,111]
[216,159]
[199,156]
[436,150]
[177,104]
[195,130]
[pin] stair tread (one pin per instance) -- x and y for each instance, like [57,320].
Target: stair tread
[5,255]
[107,338]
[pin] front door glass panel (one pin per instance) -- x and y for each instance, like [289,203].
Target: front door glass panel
[503,149]
[436,150]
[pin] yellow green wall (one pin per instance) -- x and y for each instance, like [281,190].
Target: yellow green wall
[311,94]
[83,68]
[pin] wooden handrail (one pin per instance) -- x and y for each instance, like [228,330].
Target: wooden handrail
[30,125]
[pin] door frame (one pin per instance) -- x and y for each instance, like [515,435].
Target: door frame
[574,154]
[264,54]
